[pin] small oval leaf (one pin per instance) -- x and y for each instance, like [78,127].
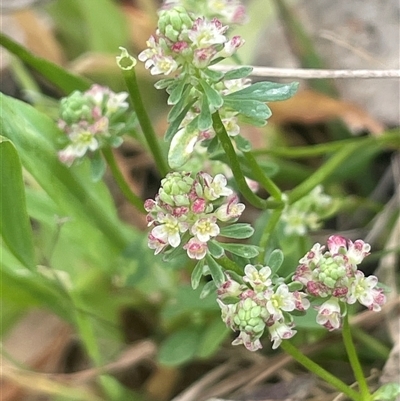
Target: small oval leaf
[179,347]
[245,251]
[275,260]
[238,231]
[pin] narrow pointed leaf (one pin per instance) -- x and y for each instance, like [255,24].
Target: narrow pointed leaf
[176,93]
[58,76]
[175,124]
[197,274]
[15,227]
[205,120]
[35,137]
[215,270]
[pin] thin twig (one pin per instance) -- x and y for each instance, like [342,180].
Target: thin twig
[311,73]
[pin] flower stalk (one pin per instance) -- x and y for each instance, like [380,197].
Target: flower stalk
[120,180]
[127,64]
[235,165]
[354,361]
[321,372]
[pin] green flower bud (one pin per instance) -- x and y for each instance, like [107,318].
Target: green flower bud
[175,188]
[171,33]
[75,108]
[172,22]
[249,317]
[331,271]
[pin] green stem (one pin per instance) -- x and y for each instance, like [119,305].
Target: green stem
[322,173]
[390,137]
[144,120]
[235,165]
[119,178]
[321,372]
[263,179]
[272,222]
[354,361]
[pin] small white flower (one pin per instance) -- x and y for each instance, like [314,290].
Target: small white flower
[231,210]
[161,64]
[156,244]
[258,279]
[205,228]
[280,331]
[250,342]
[169,230]
[329,314]
[206,33]
[196,249]
[215,187]
[230,124]
[363,290]
[227,313]
[280,300]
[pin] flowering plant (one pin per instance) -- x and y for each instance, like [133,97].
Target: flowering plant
[219,220]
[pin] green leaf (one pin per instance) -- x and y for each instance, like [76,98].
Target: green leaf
[388,392]
[175,124]
[164,83]
[215,249]
[205,120]
[275,260]
[35,137]
[29,289]
[59,77]
[265,92]
[212,337]
[242,144]
[215,270]
[98,166]
[249,108]
[179,106]
[245,251]
[215,76]
[197,274]
[238,231]
[207,289]
[214,98]
[238,73]
[15,227]
[179,347]
[213,145]
[182,145]
[176,93]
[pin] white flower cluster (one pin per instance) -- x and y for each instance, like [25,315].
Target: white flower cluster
[86,118]
[333,274]
[189,211]
[261,304]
